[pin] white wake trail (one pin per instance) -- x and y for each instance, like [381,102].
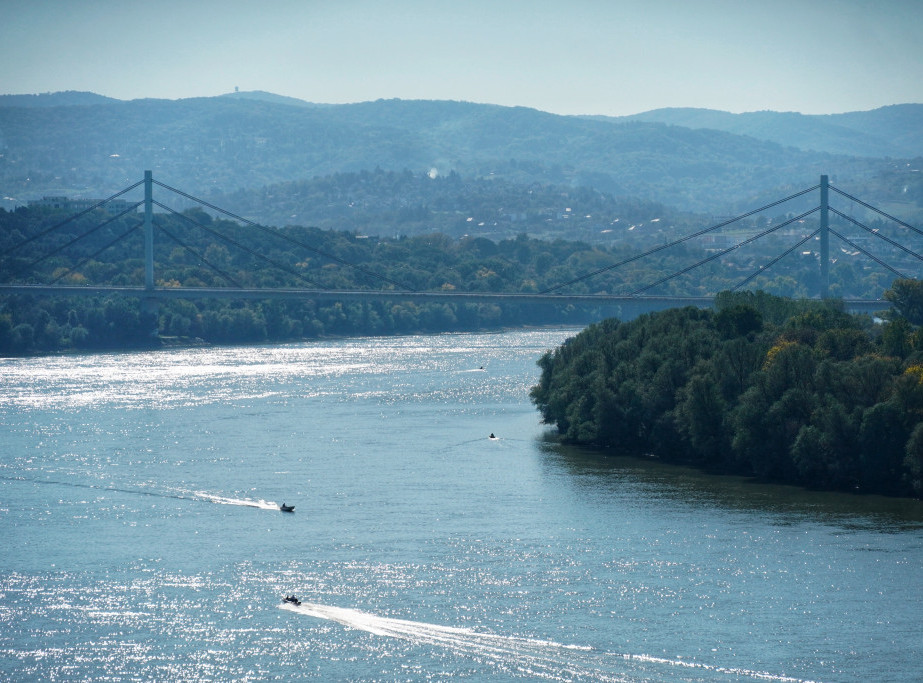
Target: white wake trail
[532,657]
[246,502]
[537,658]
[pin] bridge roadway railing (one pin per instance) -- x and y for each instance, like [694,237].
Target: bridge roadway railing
[624,307]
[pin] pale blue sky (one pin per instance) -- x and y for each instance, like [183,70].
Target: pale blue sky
[569,57]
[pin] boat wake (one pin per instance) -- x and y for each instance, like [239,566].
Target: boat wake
[181,494]
[96,487]
[531,657]
[245,502]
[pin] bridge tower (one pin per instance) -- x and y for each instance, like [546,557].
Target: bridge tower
[148,231]
[824,237]
[149,304]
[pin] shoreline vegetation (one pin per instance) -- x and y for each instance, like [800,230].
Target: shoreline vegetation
[307,258]
[788,391]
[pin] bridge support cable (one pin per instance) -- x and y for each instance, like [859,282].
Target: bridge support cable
[878,211]
[239,245]
[365,271]
[871,256]
[887,239]
[778,258]
[69,219]
[78,238]
[723,252]
[96,253]
[679,241]
[198,256]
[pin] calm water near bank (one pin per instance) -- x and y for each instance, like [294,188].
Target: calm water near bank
[142,539]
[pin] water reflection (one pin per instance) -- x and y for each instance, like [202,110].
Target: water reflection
[780,504]
[409,517]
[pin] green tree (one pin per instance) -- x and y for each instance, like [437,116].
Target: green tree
[913,460]
[700,416]
[906,295]
[738,321]
[896,338]
[6,333]
[883,442]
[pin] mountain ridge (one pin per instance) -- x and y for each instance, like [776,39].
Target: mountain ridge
[861,133]
[218,145]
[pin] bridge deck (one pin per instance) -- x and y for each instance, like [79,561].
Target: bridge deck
[640,303]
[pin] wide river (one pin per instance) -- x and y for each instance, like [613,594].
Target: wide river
[141,540]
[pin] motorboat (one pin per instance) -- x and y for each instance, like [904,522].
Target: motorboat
[287,508]
[292,599]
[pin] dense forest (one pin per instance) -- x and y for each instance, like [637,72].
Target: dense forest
[785,390]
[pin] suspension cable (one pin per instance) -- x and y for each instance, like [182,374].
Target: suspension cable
[878,211]
[276,233]
[68,220]
[675,242]
[77,239]
[97,252]
[721,253]
[874,258]
[774,261]
[231,240]
[199,256]
[893,243]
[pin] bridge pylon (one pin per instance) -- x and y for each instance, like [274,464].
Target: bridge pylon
[148,230]
[149,304]
[824,237]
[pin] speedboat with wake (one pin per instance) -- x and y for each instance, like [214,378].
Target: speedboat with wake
[287,508]
[292,600]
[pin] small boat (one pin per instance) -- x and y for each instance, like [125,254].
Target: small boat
[292,599]
[287,508]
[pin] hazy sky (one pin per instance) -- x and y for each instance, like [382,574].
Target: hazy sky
[567,56]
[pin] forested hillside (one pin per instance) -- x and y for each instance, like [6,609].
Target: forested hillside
[215,147]
[391,204]
[784,390]
[893,131]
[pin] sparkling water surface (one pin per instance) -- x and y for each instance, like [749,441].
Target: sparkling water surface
[141,537]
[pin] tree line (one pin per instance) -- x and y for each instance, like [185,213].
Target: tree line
[193,248]
[785,390]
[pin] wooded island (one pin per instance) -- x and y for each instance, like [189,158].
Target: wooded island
[784,390]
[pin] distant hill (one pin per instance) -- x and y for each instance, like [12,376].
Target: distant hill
[55,99]
[245,142]
[264,96]
[392,203]
[895,131]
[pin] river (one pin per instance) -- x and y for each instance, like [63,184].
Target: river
[141,537]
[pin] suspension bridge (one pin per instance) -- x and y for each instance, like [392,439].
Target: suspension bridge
[625,306]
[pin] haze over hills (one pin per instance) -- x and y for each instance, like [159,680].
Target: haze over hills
[55,99]
[894,131]
[245,147]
